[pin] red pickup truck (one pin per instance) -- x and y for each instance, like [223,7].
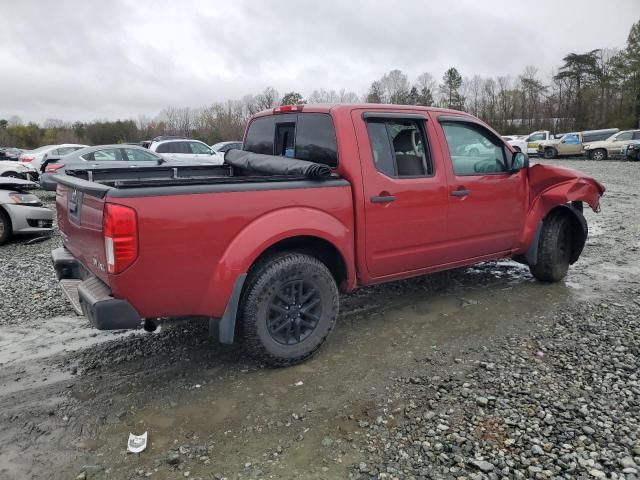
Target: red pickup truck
[264,256]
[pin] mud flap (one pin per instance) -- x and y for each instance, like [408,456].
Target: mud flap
[227,324]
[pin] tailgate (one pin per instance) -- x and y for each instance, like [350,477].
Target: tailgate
[80,206]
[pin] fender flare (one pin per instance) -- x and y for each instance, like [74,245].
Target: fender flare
[580,227]
[252,241]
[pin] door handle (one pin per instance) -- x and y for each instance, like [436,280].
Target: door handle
[460,193]
[383,199]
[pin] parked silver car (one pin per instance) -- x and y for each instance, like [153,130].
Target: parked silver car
[106,156]
[21,212]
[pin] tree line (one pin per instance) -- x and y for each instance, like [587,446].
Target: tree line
[595,89]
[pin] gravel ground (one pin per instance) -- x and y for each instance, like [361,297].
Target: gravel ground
[472,374]
[32,294]
[563,402]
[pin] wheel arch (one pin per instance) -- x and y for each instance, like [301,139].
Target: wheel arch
[300,229]
[317,247]
[579,232]
[4,212]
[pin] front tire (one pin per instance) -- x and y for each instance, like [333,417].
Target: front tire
[598,154]
[549,153]
[289,307]
[554,248]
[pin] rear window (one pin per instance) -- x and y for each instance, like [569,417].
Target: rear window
[305,136]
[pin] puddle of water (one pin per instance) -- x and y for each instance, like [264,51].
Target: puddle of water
[24,351]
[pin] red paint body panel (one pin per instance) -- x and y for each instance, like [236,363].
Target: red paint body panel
[193,247]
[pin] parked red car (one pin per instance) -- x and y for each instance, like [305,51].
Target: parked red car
[265,256]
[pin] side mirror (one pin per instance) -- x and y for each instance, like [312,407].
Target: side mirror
[520,160]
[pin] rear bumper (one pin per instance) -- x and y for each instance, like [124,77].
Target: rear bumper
[103,311]
[47,182]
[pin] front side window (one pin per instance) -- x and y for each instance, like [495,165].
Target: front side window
[536,137]
[135,155]
[624,136]
[399,147]
[473,150]
[199,148]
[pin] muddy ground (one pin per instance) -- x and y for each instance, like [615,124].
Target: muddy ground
[70,395]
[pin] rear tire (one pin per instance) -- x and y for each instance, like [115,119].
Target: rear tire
[549,153]
[5,227]
[288,309]
[554,248]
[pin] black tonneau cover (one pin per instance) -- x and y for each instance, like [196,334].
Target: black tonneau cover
[274,165]
[97,182]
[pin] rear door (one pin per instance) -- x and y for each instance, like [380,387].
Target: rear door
[487,204]
[202,153]
[140,157]
[106,157]
[405,193]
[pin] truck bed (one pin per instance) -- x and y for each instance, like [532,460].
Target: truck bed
[186,226]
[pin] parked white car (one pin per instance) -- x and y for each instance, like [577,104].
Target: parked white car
[35,157]
[518,143]
[11,169]
[177,149]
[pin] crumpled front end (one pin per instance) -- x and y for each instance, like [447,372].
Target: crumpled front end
[558,185]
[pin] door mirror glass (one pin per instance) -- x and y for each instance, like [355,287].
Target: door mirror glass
[520,161]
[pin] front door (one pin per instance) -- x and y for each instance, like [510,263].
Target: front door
[570,144]
[405,193]
[487,204]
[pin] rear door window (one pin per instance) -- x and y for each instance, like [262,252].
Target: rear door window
[164,148]
[108,155]
[399,147]
[199,148]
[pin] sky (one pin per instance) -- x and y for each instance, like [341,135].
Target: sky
[87,60]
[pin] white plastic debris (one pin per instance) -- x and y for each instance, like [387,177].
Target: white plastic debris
[299,384]
[137,443]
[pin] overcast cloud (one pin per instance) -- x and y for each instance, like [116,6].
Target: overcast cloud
[120,59]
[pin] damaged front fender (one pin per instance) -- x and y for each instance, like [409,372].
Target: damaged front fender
[551,187]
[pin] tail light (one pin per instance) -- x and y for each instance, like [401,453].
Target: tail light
[52,167]
[26,159]
[120,228]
